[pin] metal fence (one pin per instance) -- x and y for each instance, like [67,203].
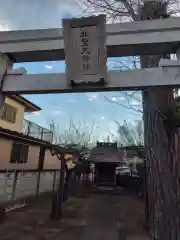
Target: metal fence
[36,131]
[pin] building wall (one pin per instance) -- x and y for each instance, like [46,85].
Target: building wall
[17,126]
[26,182]
[5,154]
[50,162]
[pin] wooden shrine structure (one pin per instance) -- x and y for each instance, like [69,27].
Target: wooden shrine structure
[106,157]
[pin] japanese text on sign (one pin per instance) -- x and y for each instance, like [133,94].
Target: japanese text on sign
[84,49]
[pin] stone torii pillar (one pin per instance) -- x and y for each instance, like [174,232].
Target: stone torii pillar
[6,64]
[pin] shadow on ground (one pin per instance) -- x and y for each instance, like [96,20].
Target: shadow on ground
[96,216]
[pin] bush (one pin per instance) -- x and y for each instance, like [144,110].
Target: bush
[133,182]
[130,182]
[137,165]
[131,166]
[140,167]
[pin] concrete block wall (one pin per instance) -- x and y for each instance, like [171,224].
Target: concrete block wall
[26,184]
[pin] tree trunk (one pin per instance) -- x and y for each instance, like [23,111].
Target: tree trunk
[163,165]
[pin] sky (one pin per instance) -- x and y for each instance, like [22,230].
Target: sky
[86,107]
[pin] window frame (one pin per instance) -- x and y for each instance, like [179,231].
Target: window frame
[19,153]
[8,109]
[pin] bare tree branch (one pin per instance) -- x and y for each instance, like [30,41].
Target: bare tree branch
[128,134]
[114,10]
[123,10]
[81,134]
[127,106]
[129,8]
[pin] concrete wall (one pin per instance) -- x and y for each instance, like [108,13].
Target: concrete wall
[26,184]
[17,126]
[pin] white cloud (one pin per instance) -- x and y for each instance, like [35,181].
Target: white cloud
[135,102]
[48,67]
[114,99]
[102,117]
[36,113]
[34,100]
[4,26]
[25,14]
[92,97]
[71,100]
[57,112]
[122,98]
[118,98]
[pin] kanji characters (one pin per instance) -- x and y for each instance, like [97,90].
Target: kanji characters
[84,49]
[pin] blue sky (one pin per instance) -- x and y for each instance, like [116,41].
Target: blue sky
[88,107]
[81,107]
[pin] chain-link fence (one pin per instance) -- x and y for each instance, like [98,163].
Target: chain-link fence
[36,131]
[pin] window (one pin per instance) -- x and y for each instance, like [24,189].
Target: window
[19,153]
[8,113]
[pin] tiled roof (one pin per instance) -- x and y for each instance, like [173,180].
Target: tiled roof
[106,154]
[29,106]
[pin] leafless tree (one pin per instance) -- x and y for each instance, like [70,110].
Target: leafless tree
[81,134]
[128,100]
[129,134]
[125,63]
[125,10]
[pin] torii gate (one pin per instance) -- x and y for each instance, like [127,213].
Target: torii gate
[145,37]
[138,38]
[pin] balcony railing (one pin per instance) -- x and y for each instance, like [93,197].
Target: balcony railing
[36,131]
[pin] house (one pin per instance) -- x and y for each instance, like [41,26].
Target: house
[12,112]
[18,150]
[106,158]
[25,155]
[20,147]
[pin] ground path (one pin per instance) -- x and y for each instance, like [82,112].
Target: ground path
[98,216]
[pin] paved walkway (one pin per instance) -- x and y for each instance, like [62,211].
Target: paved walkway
[102,218]
[96,217]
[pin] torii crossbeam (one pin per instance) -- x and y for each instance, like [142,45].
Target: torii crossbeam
[168,74]
[137,38]
[123,39]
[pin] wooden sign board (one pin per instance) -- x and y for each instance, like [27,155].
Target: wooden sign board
[85,51]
